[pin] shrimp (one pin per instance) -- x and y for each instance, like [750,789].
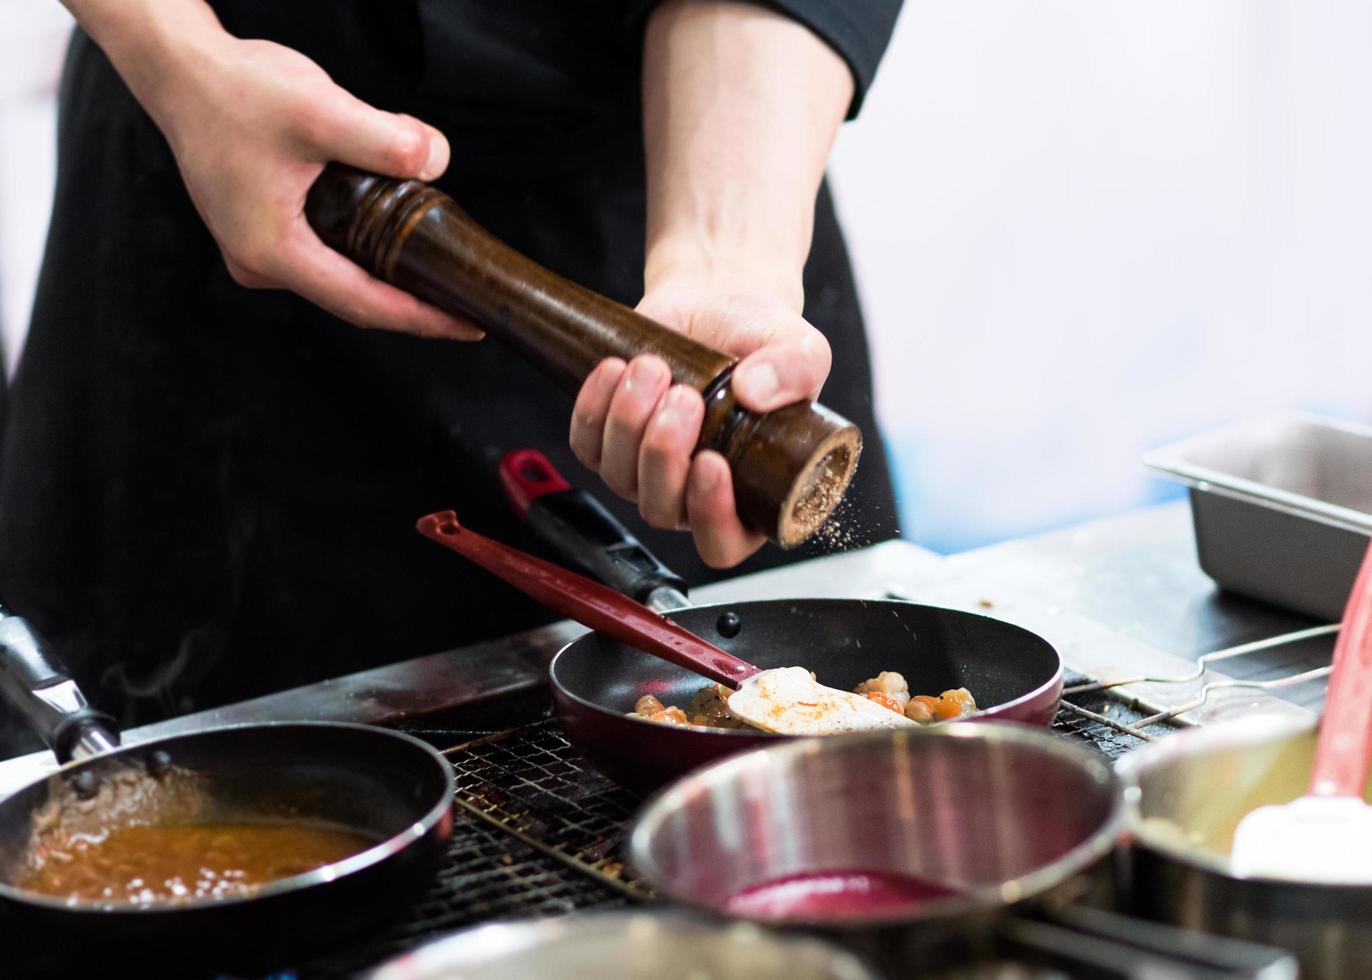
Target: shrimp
[888,682]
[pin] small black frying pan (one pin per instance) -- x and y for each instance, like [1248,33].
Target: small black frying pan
[387,786]
[1013,674]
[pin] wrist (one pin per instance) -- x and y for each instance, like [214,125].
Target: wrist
[701,263]
[153,44]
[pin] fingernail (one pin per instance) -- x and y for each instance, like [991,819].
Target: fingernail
[760,381]
[433,166]
[673,407]
[709,479]
[642,374]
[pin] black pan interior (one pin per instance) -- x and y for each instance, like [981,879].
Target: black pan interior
[370,781]
[845,641]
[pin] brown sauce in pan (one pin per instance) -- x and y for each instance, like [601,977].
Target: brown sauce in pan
[142,865]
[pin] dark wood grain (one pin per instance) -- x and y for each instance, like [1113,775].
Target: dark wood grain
[790,467]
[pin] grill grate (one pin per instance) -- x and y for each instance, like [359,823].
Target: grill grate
[1104,723]
[486,876]
[538,832]
[531,783]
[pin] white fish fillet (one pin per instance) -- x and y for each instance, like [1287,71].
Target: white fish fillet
[788,701]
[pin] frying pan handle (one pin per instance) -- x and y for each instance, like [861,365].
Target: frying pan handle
[578,529]
[1089,942]
[49,699]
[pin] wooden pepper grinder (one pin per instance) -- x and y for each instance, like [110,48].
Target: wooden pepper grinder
[790,467]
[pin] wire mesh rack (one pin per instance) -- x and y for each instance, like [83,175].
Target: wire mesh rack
[539,832]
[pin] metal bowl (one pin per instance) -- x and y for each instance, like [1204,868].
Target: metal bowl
[1186,794]
[628,945]
[996,812]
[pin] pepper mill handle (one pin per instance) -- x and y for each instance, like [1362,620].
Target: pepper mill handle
[790,466]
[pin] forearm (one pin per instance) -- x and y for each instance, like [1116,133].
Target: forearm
[740,107]
[153,44]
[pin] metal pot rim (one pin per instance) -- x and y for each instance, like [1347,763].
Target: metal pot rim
[352,864]
[495,938]
[1236,734]
[989,898]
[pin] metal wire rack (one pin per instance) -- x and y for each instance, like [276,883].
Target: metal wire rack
[538,832]
[531,784]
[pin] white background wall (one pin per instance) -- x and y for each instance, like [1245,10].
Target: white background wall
[1081,228]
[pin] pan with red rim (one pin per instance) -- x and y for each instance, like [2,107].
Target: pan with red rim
[596,680]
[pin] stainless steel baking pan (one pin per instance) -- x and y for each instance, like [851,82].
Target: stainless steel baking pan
[1282,506]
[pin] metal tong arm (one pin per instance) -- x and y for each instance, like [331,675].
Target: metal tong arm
[589,603]
[47,696]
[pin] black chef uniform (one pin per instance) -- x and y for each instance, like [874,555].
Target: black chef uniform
[209,492]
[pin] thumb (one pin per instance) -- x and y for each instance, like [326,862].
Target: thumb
[388,143]
[782,374]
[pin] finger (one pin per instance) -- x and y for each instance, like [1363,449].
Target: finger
[633,404]
[782,373]
[327,279]
[592,405]
[385,142]
[664,461]
[720,538]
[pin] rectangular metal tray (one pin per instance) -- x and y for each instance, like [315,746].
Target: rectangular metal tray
[1282,507]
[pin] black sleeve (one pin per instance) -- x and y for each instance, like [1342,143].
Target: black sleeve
[858,30]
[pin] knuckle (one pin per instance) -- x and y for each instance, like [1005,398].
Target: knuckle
[582,449]
[621,482]
[621,420]
[316,127]
[656,447]
[659,515]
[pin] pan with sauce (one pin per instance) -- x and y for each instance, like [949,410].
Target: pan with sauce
[145,865]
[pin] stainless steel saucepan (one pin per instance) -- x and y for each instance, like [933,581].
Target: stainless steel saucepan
[914,847]
[1186,794]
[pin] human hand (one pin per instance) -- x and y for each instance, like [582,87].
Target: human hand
[252,124]
[638,430]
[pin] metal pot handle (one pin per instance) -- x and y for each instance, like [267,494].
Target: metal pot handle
[1094,943]
[49,699]
[578,529]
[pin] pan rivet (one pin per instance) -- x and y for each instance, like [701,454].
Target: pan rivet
[728,625]
[86,785]
[159,764]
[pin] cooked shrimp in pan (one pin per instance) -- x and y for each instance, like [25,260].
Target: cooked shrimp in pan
[709,708]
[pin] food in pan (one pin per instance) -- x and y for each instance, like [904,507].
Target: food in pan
[145,865]
[709,708]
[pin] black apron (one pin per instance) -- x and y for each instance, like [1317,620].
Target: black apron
[208,492]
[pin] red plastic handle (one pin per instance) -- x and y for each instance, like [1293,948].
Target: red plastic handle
[589,603]
[1345,742]
[527,475]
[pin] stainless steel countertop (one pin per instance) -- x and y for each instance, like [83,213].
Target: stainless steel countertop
[1119,597]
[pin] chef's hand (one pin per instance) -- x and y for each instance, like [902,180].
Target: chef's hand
[252,124]
[740,107]
[638,430]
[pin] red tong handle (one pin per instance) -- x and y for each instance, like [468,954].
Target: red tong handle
[527,475]
[1345,741]
[589,603]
